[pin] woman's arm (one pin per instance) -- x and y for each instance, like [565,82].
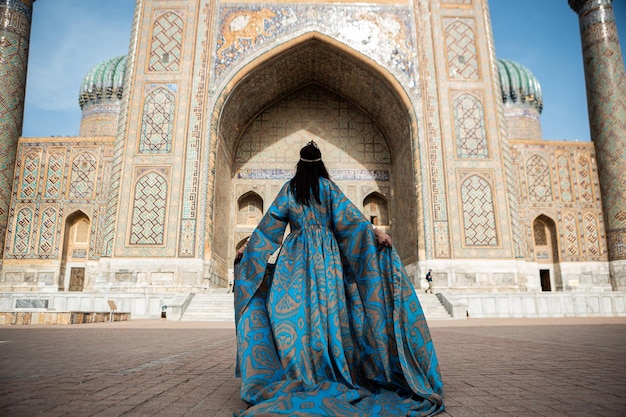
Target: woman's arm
[381,237]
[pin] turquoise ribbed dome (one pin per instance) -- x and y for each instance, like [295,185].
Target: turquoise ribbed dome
[519,85]
[104,81]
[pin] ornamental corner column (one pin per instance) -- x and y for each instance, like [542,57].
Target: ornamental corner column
[606,101]
[15,21]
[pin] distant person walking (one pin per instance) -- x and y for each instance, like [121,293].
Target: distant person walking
[429,278]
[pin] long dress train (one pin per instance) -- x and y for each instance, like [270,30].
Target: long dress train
[337,329]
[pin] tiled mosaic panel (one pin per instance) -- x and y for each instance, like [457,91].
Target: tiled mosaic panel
[538,175]
[14,38]
[47,231]
[572,178]
[564,182]
[585,191]
[570,228]
[335,174]
[69,177]
[166,43]
[23,223]
[149,210]
[469,126]
[479,219]
[590,229]
[157,122]
[461,49]
[30,174]
[83,176]
[606,82]
[56,163]
[380,32]
[110,212]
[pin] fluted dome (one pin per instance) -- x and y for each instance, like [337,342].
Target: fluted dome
[104,81]
[519,85]
[100,98]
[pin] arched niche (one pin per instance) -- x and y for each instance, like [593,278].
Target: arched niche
[75,252]
[311,65]
[546,248]
[249,209]
[375,208]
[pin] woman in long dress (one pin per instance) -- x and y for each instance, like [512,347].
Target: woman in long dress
[337,329]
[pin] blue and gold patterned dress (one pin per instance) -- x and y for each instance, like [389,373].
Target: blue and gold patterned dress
[337,330]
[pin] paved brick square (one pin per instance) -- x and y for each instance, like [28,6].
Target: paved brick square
[499,367]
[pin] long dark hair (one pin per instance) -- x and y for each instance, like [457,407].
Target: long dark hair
[308,172]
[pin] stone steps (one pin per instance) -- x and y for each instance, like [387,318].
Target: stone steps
[219,306]
[433,309]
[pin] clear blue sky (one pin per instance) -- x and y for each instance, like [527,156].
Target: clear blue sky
[69,37]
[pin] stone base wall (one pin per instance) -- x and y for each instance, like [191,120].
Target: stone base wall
[618,272]
[140,305]
[65,317]
[527,305]
[484,275]
[109,275]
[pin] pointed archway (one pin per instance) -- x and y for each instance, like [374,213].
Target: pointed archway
[547,253]
[75,252]
[313,88]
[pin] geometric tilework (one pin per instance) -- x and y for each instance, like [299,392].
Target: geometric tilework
[23,222]
[187,238]
[56,162]
[59,183]
[110,215]
[584,179]
[47,230]
[571,199]
[605,78]
[435,183]
[571,241]
[148,219]
[538,175]
[30,175]
[14,43]
[469,123]
[590,230]
[157,122]
[166,44]
[83,178]
[478,212]
[564,184]
[461,49]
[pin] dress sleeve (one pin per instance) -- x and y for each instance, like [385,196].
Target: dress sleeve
[265,239]
[354,233]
